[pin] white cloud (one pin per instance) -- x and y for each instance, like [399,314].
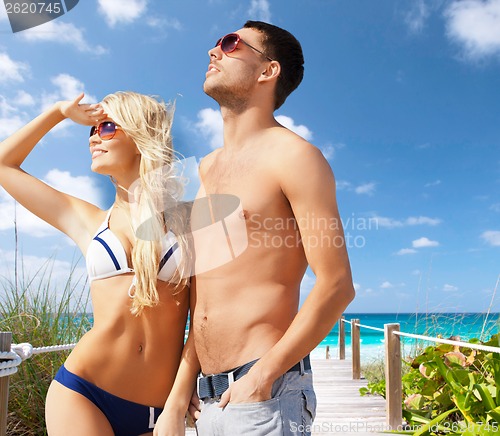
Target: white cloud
[9,125]
[22,98]
[10,119]
[62,33]
[300,129]
[45,271]
[449,288]
[121,11]
[419,220]
[80,186]
[491,237]
[83,187]
[410,221]
[163,23]
[434,183]
[328,151]
[343,184]
[367,188]
[404,251]
[3,14]
[210,126]
[424,242]
[475,26]
[259,9]
[11,70]
[67,88]
[415,18]
[386,285]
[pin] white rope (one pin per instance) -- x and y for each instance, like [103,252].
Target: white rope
[52,348]
[25,351]
[378,329]
[450,342]
[20,352]
[9,364]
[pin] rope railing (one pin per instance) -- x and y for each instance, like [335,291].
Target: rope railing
[377,329]
[10,360]
[11,356]
[392,359]
[451,342]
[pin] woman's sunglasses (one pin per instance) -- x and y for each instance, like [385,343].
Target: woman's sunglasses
[229,43]
[106,130]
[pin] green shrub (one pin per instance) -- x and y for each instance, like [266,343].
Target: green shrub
[447,390]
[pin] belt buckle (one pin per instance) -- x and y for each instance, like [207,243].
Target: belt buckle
[230,381]
[198,385]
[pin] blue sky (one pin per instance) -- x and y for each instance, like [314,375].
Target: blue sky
[403,98]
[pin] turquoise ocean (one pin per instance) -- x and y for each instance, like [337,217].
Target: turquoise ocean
[464,325]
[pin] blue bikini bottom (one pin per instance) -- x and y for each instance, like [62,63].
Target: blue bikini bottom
[126,417]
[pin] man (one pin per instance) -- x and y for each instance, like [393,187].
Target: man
[247,335]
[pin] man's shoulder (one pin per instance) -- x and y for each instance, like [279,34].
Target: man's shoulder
[292,147]
[207,160]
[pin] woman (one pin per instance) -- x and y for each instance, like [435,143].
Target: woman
[120,373]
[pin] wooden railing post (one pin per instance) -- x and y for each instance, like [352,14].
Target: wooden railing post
[356,349]
[393,383]
[342,338]
[5,343]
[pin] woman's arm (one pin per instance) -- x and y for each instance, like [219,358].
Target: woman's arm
[60,210]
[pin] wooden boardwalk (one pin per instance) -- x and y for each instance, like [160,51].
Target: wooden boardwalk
[341,409]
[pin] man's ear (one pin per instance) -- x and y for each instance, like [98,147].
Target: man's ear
[272,71]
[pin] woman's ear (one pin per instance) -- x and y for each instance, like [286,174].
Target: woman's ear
[272,71]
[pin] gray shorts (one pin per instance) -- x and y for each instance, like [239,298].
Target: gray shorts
[290,411]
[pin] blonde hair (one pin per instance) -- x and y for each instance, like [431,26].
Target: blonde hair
[148,122]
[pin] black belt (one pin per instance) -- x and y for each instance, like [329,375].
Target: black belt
[213,386]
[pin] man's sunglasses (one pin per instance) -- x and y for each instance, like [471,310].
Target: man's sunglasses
[229,43]
[106,130]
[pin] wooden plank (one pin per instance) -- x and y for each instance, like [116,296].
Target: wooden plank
[342,338]
[394,389]
[5,343]
[356,349]
[341,408]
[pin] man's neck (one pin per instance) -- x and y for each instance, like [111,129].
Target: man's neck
[242,127]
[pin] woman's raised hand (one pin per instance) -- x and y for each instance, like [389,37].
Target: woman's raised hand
[85,114]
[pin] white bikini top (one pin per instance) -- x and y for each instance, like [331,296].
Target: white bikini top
[106,256]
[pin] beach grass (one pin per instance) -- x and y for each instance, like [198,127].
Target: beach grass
[41,312]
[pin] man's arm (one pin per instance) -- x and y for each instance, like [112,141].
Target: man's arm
[308,183]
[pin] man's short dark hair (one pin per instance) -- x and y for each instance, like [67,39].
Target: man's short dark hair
[282,46]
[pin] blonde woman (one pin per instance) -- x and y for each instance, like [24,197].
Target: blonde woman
[120,373]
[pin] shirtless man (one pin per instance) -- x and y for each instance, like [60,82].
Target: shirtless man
[248,337]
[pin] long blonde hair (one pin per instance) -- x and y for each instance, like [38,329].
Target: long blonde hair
[155,197]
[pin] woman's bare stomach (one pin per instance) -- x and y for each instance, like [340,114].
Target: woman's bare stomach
[127,364]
